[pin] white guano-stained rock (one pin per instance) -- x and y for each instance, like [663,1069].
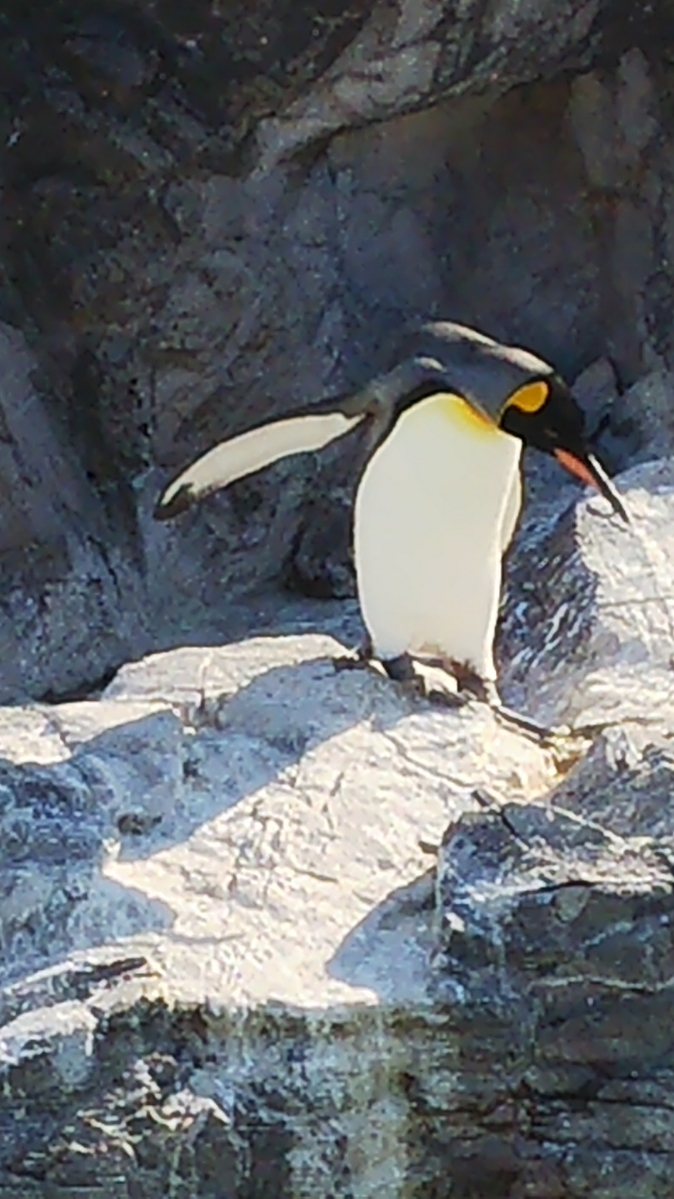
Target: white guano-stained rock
[260,816]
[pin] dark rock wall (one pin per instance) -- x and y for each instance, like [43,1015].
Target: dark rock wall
[210,212]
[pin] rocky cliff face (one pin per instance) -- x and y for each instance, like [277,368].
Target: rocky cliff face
[269,930]
[210,213]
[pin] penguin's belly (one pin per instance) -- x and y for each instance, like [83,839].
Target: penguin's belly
[430,520]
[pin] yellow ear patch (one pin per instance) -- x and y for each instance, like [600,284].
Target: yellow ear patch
[529,398]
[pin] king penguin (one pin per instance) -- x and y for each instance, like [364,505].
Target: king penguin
[440,494]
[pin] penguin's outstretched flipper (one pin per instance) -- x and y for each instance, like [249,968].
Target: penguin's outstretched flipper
[309,428]
[249,452]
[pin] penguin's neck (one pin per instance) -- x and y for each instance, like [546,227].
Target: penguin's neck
[474,463]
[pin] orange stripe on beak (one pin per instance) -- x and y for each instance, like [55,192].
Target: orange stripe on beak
[576,467]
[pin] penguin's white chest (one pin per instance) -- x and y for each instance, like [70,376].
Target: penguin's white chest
[435,510]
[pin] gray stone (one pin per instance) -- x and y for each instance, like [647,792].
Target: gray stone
[614,441]
[61,619]
[555,943]
[587,636]
[178,989]
[269,924]
[596,390]
[277,956]
[644,416]
[613,118]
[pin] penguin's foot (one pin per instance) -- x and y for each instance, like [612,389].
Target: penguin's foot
[400,669]
[403,670]
[472,685]
[469,682]
[428,685]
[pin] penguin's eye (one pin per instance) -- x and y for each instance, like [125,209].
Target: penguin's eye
[529,398]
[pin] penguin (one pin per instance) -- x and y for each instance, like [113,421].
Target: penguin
[440,493]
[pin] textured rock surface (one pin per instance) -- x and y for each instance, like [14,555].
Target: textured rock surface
[72,602]
[270,930]
[589,637]
[225,861]
[274,930]
[211,213]
[277,929]
[557,939]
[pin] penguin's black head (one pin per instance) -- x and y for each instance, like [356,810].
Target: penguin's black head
[544,414]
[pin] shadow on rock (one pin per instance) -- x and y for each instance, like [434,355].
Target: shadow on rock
[140,787]
[54,896]
[388,951]
[243,742]
[251,821]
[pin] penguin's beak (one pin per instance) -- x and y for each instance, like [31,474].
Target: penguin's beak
[588,470]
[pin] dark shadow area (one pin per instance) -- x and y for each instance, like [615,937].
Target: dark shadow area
[53,830]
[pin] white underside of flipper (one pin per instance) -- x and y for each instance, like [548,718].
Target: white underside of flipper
[435,510]
[249,452]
